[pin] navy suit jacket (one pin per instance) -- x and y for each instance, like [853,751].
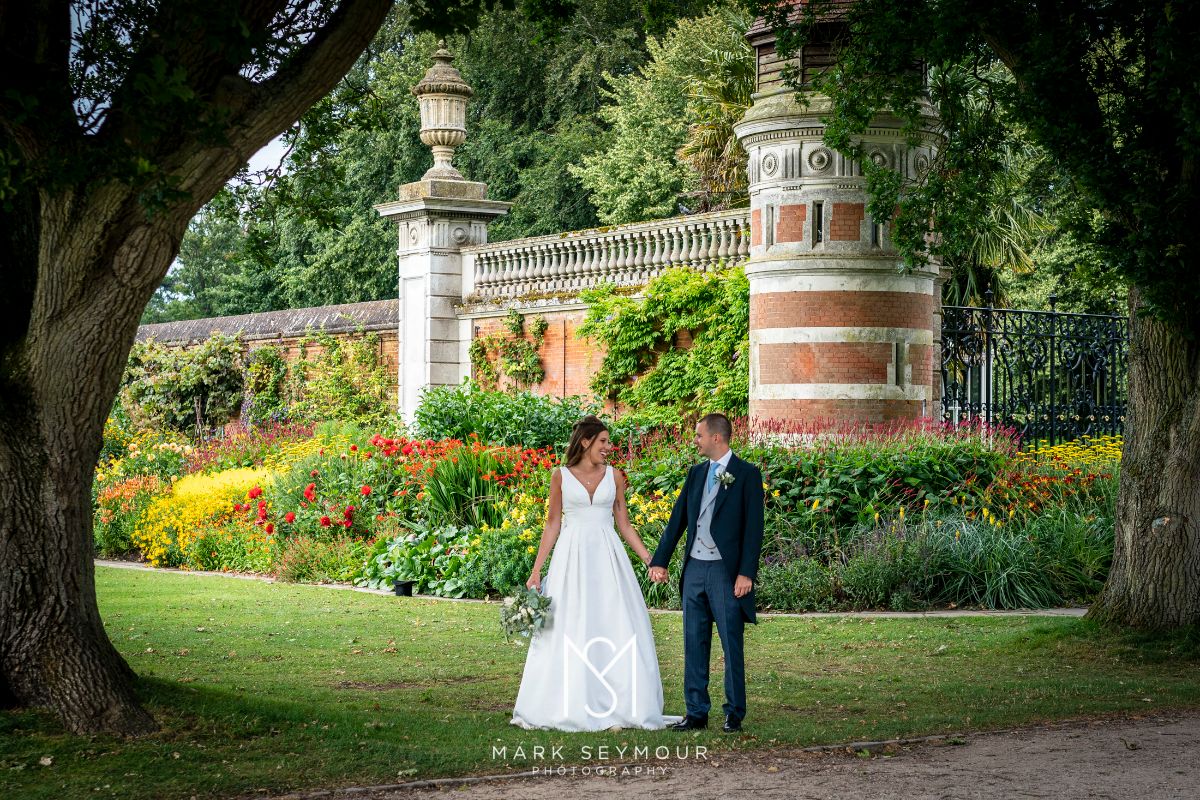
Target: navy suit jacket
[736,526]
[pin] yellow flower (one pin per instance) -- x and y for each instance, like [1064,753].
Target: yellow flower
[816,503]
[197,504]
[531,549]
[775,493]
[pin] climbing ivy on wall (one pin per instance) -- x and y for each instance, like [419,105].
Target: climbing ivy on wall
[341,377]
[266,386]
[187,389]
[508,353]
[645,369]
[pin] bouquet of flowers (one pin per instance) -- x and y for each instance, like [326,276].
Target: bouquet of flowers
[524,612]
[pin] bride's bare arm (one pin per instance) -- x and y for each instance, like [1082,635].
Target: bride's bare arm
[621,516]
[551,528]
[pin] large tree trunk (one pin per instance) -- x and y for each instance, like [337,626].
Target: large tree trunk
[87,230]
[1155,576]
[57,390]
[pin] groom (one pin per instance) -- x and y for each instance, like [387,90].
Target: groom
[721,506]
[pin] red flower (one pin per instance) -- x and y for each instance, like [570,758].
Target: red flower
[310,493]
[366,490]
[289,516]
[255,492]
[407,450]
[326,522]
[347,522]
[270,527]
[313,474]
[353,448]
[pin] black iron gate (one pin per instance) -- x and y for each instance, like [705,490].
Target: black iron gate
[1052,376]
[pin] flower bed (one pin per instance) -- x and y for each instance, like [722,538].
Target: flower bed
[908,516]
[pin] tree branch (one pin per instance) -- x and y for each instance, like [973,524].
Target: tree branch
[310,74]
[36,104]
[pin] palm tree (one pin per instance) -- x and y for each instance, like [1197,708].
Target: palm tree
[718,96]
[1011,225]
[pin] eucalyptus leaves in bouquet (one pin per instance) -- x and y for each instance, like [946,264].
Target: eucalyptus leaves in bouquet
[524,612]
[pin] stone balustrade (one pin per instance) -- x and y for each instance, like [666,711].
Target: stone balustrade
[627,255]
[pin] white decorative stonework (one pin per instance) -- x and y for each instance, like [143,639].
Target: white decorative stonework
[436,218]
[770,163]
[820,159]
[442,95]
[879,158]
[921,163]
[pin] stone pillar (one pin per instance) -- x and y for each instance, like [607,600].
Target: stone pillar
[836,330]
[437,217]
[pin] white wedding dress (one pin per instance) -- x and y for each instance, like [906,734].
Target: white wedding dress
[594,665]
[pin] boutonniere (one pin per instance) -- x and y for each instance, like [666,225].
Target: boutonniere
[726,478]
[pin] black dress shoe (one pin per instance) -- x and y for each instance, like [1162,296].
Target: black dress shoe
[689,723]
[732,724]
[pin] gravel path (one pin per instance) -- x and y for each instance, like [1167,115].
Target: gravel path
[1151,757]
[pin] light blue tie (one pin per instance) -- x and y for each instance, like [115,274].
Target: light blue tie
[712,475]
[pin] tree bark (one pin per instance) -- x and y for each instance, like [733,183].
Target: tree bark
[58,387]
[80,262]
[1154,582]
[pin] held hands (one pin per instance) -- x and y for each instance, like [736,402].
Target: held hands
[658,574]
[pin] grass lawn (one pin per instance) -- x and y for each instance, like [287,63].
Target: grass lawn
[277,686]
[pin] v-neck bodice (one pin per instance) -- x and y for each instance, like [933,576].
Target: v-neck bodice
[591,496]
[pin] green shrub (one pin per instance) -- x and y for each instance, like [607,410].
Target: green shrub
[233,548]
[800,584]
[341,378]
[500,561]
[460,492]
[266,387]
[886,569]
[1074,551]
[852,480]
[518,418]
[434,558]
[187,390]
[979,564]
[305,560]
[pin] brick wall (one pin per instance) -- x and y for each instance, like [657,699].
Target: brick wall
[569,361]
[875,309]
[845,221]
[791,223]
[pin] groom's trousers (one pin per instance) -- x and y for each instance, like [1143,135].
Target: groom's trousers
[708,598]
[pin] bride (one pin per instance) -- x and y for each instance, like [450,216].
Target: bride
[594,665]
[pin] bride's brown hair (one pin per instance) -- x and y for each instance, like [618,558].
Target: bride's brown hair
[587,428]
